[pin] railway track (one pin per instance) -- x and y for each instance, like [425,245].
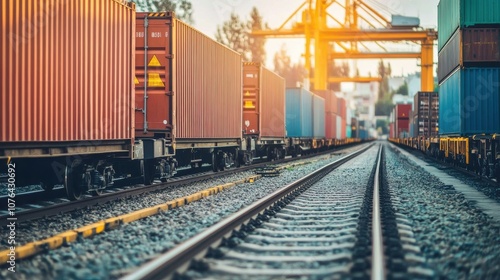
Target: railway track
[305,229]
[38,204]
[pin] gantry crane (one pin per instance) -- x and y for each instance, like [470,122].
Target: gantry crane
[313,26]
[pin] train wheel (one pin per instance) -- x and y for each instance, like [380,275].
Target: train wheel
[97,192]
[73,181]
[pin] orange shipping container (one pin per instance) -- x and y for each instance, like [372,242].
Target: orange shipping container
[66,73]
[263,101]
[192,85]
[331,100]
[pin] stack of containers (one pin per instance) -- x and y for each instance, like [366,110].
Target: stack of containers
[469,66]
[392,133]
[331,113]
[299,115]
[425,114]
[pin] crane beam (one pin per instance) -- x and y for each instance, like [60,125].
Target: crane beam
[354,79]
[373,55]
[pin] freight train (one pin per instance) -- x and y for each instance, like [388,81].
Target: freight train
[461,123]
[92,91]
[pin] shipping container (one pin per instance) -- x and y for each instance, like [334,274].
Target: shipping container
[192,85]
[398,21]
[299,119]
[470,47]
[469,102]
[402,111]
[330,97]
[263,101]
[453,14]
[342,107]
[354,127]
[426,114]
[318,113]
[402,128]
[343,126]
[66,77]
[331,126]
[338,126]
[392,133]
[349,131]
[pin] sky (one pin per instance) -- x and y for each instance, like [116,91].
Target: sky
[208,14]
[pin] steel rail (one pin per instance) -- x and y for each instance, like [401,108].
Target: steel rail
[64,207]
[378,266]
[178,259]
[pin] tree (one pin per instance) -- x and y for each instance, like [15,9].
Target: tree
[256,44]
[337,70]
[384,73]
[403,89]
[293,74]
[234,34]
[183,8]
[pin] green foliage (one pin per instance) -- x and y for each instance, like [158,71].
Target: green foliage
[183,8]
[293,74]
[337,70]
[382,126]
[383,107]
[235,34]
[403,89]
[384,72]
[256,45]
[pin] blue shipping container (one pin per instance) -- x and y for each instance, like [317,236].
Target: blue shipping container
[348,129]
[299,120]
[318,117]
[469,102]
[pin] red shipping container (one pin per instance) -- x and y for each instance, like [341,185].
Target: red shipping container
[331,102]
[392,133]
[193,83]
[403,128]
[402,111]
[66,75]
[342,108]
[331,126]
[263,101]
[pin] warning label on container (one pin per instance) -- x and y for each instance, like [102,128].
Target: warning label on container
[136,81]
[154,80]
[154,61]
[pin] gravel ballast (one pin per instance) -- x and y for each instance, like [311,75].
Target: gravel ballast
[457,240]
[105,255]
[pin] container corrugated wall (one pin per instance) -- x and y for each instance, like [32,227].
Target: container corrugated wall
[207,86]
[299,120]
[453,14]
[318,117]
[66,71]
[469,47]
[469,102]
[331,126]
[272,112]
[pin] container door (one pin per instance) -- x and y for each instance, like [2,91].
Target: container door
[153,99]
[251,78]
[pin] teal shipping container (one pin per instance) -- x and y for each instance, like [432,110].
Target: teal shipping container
[469,102]
[453,14]
[318,117]
[299,119]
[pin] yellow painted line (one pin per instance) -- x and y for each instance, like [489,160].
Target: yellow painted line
[26,250]
[90,230]
[70,236]
[50,243]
